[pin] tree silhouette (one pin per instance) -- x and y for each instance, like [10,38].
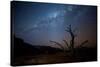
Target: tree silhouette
[71,45]
[70,31]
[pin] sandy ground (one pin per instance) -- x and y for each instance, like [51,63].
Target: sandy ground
[58,57]
[45,59]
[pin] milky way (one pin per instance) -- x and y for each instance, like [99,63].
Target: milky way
[38,23]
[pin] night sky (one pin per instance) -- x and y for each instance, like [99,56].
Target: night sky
[38,23]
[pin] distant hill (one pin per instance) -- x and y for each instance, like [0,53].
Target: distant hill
[20,48]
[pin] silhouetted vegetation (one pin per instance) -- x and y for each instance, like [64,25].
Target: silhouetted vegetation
[71,45]
[24,53]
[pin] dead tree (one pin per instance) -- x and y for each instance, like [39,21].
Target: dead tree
[70,31]
[71,45]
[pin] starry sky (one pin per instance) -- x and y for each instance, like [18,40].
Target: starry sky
[38,23]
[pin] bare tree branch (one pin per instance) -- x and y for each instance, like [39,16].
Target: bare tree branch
[66,43]
[84,42]
[57,44]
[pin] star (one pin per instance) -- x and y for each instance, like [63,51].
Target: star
[70,8]
[35,25]
[55,15]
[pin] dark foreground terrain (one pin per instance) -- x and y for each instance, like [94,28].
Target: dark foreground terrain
[26,54]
